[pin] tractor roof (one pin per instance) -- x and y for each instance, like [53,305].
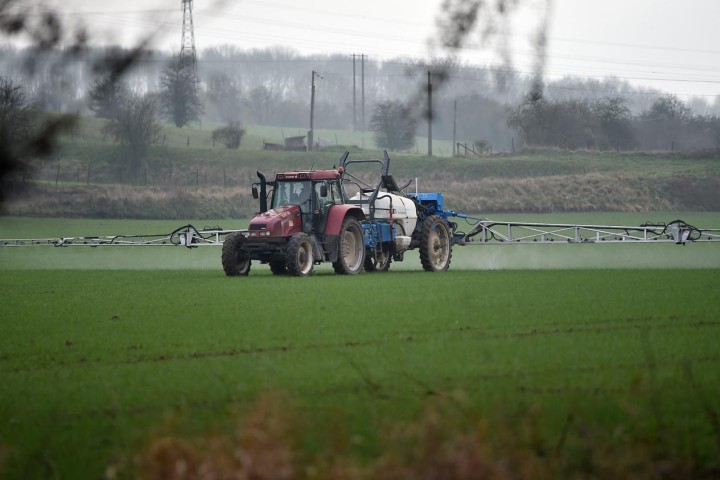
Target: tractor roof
[309,175]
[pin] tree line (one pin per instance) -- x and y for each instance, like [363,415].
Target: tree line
[609,124]
[484,106]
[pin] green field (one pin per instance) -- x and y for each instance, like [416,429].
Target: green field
[128,361]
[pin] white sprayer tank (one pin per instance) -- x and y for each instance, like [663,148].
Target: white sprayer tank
[399,210]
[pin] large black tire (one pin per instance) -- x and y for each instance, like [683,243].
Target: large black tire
[278,267]
[378,261]
[234,261]
[351,254]
[435,246]
[300,258]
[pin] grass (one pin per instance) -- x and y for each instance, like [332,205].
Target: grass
[98,366]
[200,137]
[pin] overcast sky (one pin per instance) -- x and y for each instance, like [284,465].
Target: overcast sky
[673,45]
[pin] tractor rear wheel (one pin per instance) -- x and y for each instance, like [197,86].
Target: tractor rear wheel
[377,260]
[300,259]
[234,261]
[435,246]
[352,248]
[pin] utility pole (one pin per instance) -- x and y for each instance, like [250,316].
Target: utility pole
[354,98]
[429,115]
[312,112]
[455,129]
[362,69]
[311,132]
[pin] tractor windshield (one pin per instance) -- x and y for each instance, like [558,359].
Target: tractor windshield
[292,193]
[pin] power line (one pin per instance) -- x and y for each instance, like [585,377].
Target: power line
[553,69]
[552,60]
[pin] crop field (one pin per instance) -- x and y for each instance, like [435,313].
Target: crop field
[150,363]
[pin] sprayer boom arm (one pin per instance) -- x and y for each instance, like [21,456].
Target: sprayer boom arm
[492,231]
[185,236]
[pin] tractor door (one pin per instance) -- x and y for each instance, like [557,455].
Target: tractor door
[332,196]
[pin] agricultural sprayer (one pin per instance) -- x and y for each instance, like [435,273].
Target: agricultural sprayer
[308,217]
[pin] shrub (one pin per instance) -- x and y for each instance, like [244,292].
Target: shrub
[230,135]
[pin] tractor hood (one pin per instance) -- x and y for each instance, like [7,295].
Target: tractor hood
[284,221]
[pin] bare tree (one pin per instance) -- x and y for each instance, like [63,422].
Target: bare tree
[14,113]
[394,125]
[615,119]
[178,93]
[135,128]
[260,103]
[106,96]
[47,31]
[223,93]
[15,127]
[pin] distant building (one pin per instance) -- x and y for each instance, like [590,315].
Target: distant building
[291,144]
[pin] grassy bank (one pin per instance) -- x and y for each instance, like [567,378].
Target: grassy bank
[185,176]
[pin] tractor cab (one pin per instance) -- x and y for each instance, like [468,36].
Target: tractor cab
[314,193]
[308,194]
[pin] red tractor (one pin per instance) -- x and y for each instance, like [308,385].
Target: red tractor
[307,222]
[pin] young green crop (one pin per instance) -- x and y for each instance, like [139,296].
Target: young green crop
[91,360]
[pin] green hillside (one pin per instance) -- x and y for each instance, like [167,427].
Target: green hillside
[186,176]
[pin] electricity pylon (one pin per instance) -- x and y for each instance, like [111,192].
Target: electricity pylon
[188,55]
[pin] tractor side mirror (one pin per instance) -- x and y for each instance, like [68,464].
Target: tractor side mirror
[255,192]
[323,190]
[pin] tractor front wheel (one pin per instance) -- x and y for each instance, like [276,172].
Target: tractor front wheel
[234,261]
[300,260]
[435,246]
[352,248]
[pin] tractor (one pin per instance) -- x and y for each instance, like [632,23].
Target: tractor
[317,216]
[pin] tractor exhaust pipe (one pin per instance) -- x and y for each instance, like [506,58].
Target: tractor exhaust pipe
[263,192]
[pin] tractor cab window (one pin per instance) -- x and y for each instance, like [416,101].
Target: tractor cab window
[335,193]
[319,192]
[332,196]
[331,191]
[292,193]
